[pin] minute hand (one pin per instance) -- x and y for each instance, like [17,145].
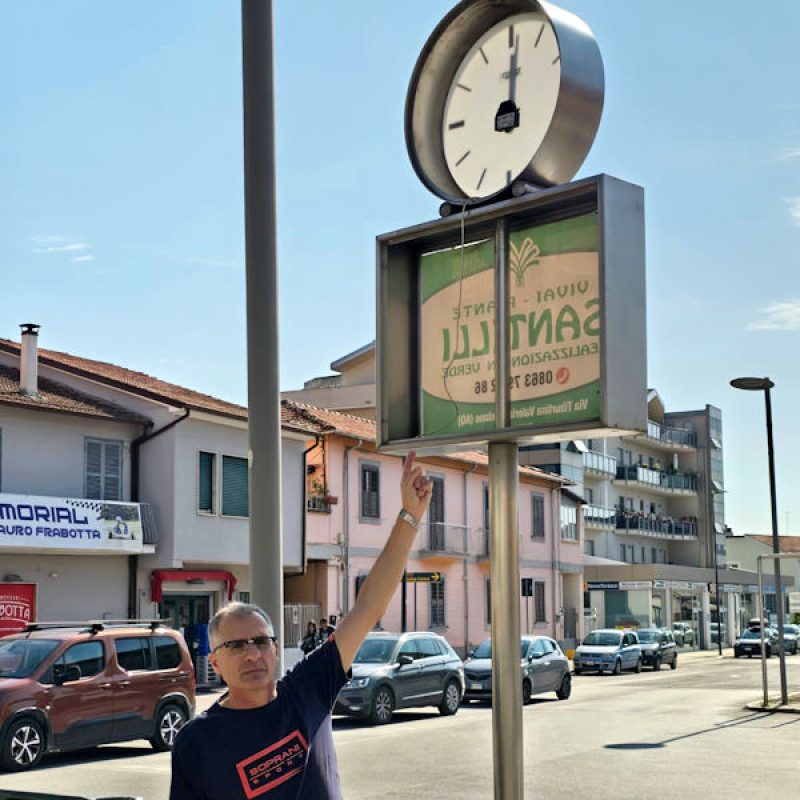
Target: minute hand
[512,72]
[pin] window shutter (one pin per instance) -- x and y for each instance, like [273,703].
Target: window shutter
[234,487]
[538,516]
[538,601]
[94,467]
[370,491]
[112,471]
[205,489]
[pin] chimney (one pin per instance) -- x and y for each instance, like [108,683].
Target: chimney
[29,360]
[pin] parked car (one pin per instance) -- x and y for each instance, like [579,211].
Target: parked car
[608,650]
[715,632]
[790,639]
[544,667]
[658,647]
[408,670]
[749,643]
[65,687]
[683,633]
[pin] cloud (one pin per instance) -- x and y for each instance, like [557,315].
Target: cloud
[788,153]
[58,244]
[210,262]
[79,259]
[794,208]
[778,317]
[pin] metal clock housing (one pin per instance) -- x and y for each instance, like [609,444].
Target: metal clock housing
[504,91]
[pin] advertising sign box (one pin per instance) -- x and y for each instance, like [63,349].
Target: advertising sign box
[17,606]
[575,305]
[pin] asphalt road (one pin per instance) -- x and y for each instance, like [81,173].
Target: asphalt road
[682,734]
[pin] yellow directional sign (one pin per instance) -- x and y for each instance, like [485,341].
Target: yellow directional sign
[423,577]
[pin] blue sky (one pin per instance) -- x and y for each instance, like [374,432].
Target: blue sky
[121,214]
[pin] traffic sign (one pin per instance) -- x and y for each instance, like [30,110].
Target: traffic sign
[423,577]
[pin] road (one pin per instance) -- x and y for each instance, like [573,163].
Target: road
[682,734]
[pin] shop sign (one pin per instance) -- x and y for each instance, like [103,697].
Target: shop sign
[628,586]
[794,602]
[17,606]
[34,522]
[661,584]
[602,586]
[729,587]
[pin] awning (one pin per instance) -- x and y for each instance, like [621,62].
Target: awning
[160,575]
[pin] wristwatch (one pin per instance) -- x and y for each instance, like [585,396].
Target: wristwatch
[407,516]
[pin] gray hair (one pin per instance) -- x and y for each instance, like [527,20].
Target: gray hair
[237,609]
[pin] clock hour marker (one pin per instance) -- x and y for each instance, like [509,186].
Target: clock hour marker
[454,125]
[541,31]
[465,88]
[483,175]
[556,60]
[463,157]
[510,35]
[486,60]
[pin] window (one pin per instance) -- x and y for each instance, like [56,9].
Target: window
[487,607]
[103,469]
[622,553]
[487,518]
[569,520]
[589,495]
[132,653]
[87,656]
[538,602]
[537,515]
[234,487]
[205,482]
[168,652]
[436,515]
[437,604]
[643,556]
[428,648]
[631,554]
[370,491]
[588,547]
[359,583]
[654,555]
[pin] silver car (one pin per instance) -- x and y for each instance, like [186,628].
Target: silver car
[544,669]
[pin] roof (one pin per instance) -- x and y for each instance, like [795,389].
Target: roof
[54,396]
[135,382]
[355,355]
[347,425]
[787,544]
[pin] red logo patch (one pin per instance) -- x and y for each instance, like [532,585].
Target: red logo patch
[273,766]
[562,375]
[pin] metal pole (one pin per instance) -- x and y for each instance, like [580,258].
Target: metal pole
[776,548]
[761,628]
[266,545]
[403,601]
[504,550]
[716,586]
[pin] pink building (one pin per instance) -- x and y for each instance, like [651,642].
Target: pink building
[353,500]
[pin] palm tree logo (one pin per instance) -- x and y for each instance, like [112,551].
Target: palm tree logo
[523,257]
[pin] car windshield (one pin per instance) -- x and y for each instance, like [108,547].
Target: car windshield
[751,635]
[603,638]
[649,636]
[20,657]
[375,651]
[484,649]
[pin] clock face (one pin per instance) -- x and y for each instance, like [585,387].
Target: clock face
[500,104]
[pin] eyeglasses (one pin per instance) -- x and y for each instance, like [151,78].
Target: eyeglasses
[238,647]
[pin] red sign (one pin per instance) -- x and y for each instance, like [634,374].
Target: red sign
[17,606]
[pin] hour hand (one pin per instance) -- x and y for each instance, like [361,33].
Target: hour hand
[507,116]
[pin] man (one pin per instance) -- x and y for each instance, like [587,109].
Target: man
[325,630]
[273,739]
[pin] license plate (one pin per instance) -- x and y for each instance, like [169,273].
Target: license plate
[476,687]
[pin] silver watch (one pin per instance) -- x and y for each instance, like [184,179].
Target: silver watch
[408,517]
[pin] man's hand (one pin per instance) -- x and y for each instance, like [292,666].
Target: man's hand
[415,488]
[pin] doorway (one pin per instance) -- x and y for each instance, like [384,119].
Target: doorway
[189,614]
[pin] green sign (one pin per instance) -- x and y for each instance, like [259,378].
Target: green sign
[554,318]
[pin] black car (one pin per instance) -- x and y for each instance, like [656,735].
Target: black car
[658,647]
[749,643]
[402,670]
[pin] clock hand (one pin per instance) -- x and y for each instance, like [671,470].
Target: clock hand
[512,72]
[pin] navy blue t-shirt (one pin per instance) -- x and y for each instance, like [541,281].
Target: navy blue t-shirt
[280,751]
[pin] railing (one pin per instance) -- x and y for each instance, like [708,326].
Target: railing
[671,481]
[440,537]
[676,436]
[598,462]
[598,515]
[317,503]
[660,527]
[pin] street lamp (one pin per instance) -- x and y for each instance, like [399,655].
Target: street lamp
[756,385]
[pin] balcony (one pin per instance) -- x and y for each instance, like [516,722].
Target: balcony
[598,517]
[599,464]
[440,540]
[670,483]
[672,439]
[655,526]
[319,504]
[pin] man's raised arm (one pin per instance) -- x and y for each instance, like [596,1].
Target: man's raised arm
[384,578]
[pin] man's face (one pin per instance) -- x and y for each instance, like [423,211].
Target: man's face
[323,623]
[254,669]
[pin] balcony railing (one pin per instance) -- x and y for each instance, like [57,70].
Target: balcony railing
[598,462]
[653,525]
[671,436]
[318,503]
[598,516]
[658,479]
[444,539]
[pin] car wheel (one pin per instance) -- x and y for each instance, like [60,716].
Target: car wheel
[169,721]
[638,667]
[674,664]
[24,745]
[617,667]
[527,692]
[657,664]
[565,690]
[382,706]
[768,651]
[451,699]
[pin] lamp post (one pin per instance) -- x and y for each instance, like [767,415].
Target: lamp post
[755,385]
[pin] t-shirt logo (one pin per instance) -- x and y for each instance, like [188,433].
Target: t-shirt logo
[273,766]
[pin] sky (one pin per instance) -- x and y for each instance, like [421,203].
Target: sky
[121,211]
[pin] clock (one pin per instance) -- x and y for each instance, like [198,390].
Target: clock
[504,92]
